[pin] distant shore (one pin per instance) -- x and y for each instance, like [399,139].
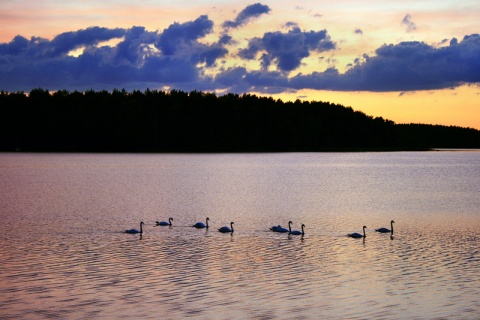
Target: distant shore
[198,122]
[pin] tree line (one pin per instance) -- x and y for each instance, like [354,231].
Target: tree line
[178,121]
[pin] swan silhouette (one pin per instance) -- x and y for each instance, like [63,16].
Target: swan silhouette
[385,230]
[227,229]
[275,228]
[290,227]
[200,225]
[358,235]
[279,229]
[134,231]
[297,232]
[165,223]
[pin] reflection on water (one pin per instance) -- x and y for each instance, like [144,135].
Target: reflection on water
[64,253]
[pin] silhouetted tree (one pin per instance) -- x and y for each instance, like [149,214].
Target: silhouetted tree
[178,121]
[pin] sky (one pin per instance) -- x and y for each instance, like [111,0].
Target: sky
[410,61]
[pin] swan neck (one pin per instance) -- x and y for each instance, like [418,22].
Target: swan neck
[231,226]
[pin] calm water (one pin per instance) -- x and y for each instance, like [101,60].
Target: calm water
[64,254]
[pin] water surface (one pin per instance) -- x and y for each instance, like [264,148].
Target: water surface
[64,253]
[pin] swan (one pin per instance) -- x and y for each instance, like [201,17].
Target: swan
[279,229]
[275,228]
[165,223]
[290,227]
[227,229]
[358,235]
[298,233]
[133,231]
[385,230]
[200,225]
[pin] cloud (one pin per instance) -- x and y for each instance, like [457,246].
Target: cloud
[141,58]
[182,42]
[135,46]
[184,56]
[358,31]
[65,42]
[286,50]
[247,14]
[17,46]
[407,21]
[178,36]
[62,44]
[407,66]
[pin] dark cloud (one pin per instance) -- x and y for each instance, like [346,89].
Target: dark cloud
[287,50]
[358,31]
[61,45]
[291,24]
[407,21]
[141,58]
[135,46]
[179,36]
[239,80]
[234,79]
[407,66]
[179,57]
[247,14]
[65,42]
[181,41]
[18,45]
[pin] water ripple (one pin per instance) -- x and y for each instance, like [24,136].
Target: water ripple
[64,255]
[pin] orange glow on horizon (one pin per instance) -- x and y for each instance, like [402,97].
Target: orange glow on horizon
[449,107]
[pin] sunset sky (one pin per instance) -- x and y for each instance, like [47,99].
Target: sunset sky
[410,61]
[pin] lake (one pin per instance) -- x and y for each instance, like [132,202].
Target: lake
[65,254]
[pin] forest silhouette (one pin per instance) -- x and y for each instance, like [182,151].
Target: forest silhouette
[178,121]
